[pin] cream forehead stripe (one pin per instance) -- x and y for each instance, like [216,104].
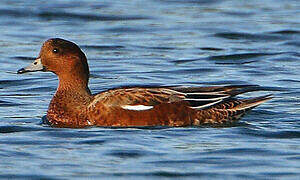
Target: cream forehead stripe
[136,107]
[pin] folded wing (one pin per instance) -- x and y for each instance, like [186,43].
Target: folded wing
[198,98]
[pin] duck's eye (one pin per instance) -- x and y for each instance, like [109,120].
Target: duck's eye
[55,50]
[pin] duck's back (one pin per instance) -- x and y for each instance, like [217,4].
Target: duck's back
[171,106]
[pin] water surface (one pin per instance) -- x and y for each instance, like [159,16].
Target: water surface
[156,42]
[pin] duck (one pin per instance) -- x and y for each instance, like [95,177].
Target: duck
[74,106]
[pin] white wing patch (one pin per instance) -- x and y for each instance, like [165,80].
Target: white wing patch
[137,107]
[206,105]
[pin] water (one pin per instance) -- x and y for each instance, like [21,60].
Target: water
[156,42]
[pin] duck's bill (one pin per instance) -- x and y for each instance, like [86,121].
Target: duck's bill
[36,65]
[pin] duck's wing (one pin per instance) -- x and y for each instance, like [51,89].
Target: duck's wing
[222,97]
[137,98]
[198,98]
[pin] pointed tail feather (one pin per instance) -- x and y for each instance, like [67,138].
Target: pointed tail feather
[253,88]
[248,104]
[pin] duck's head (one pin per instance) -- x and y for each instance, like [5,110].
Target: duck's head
[62,57]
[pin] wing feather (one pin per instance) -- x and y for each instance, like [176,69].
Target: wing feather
[197,97]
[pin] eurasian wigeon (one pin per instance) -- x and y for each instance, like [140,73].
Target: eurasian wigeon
[74,106]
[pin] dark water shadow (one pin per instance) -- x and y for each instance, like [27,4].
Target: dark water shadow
[59,15]
[248,36]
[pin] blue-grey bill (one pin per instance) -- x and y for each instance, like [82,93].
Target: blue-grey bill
[36,65]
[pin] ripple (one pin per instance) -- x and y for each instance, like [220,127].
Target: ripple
[57,15]
[211,49]
[235,62]
[9,83]
[241,56]
[239,13]
[126,153]
[13,129]
[248,151]
[179,174]
[248,36]
[186,71]
[69,134]
[25,176]
[182,61]
[286,32]
[16,154]
[127,30]
[204,2]
[255,72]
[92,142]
[289,80]
[293,43]
[8,104]
[89,17]
[27,142]
[64,5]
[283,175]
[102,47]
[167,174]
[155,47]
[24,58]
[38,89]
[274,135]
[204,160]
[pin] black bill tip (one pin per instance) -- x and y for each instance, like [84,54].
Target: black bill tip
[21,71]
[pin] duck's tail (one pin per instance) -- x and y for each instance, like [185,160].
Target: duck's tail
[248,104]
[229,111]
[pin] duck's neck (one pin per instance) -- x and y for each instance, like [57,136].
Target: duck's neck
[73,85]
[74,90]
[69,104]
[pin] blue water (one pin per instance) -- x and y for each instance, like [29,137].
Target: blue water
[153,42]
